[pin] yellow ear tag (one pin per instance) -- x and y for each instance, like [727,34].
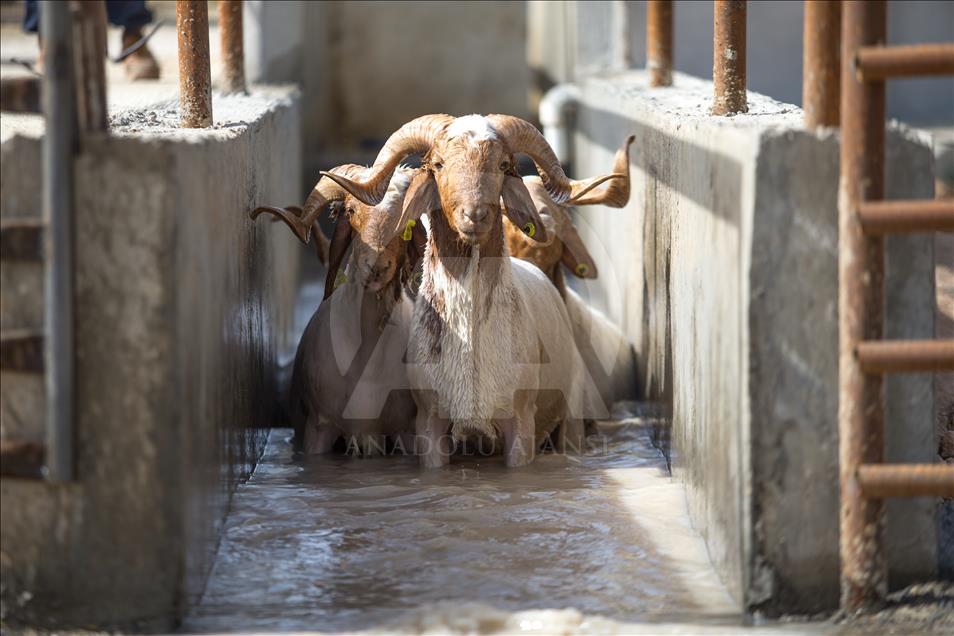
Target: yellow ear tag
[340,279]
[582,269]
[407,229]
[530,229]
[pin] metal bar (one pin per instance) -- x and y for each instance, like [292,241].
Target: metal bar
[20,94]
[21,459]
[21,240]
[885,62]
[879,481]
[89,35]
[822,62]
[21,351]
[195,76]
[233,55]
[728,67]
[860,318]
[659,42]
[59,146]
[897,217]
[906,356]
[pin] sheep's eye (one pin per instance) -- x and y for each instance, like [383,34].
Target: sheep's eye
[504,166]
[349,210]
[437,165]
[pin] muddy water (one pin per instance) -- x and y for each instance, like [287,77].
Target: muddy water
[336,543]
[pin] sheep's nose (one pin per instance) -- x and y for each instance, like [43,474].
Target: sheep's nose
[476,213]
[380,268]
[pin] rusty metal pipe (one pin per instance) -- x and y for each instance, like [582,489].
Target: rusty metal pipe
[906,356]
[897,217]
[89,34]
[195,76]
[233,53]
[659,42]
[821,63]
[879,481]
[728,58]
[860,307]
[884,62]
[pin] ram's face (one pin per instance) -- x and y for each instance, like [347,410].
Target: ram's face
[469,165]
[377,261]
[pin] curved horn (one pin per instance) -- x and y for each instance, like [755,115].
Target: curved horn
[616,192]
[522,136]
[416,136]
[301,220]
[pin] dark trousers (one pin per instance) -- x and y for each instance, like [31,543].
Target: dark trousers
[125,13]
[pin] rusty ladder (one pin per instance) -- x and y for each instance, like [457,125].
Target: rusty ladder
[864,218]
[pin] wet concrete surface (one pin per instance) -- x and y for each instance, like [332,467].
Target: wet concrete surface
[599,544]
[336,543]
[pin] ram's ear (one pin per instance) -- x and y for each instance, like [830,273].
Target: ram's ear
[421,196]
[321,244]
[576,257]
[417,244]
[519,207]
[340,240]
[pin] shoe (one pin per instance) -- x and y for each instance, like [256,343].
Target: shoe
[140,65]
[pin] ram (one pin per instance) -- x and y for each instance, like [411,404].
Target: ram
[487,348]
[608,355]
[350,356]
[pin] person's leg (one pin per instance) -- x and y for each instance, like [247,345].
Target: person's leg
[31,16]
[132,15]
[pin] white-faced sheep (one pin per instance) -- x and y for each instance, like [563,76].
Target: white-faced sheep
[608,356]
[351,353]
[488,338]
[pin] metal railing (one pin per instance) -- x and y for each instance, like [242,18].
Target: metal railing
[233,54]
[821,63]
[864,357]
[728,43]
[59,95]
[195,74]
[659,34]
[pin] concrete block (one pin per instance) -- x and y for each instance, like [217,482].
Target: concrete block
[723,272]
[182,309]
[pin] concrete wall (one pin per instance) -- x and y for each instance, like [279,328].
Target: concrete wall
[566,49]
[183,305]
[366,68]
[723,271]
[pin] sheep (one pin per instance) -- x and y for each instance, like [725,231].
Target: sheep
[352,348]
[487,347]
[599,341]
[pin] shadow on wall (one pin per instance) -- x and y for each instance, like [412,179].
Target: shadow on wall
[655,347]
